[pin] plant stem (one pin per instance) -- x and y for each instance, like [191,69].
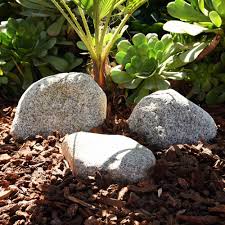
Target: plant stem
[105,52]
[86,27]
[99,72]
[114,37]
[97,29]
[106,24]
[88,41]
[71,14]
[119,3]
[79,30]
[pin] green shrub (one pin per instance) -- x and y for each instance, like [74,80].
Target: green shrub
[101,13]
[27,52]
[208,81]
[148,63]
[207,16]
[37,8]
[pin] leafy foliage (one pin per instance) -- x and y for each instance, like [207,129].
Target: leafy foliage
[100,12]
[208,81]
[208,14]
[28,52]
[43,9]
[8,9]
[148,63]
[149,18]
[202,17]
[40,8]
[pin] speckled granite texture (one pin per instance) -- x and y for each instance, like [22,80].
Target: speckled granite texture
[66,102]
[166,117]
[121,157]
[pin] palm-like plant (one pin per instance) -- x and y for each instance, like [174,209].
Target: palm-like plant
[101,13]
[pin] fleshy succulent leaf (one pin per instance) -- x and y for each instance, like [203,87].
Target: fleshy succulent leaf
[180,27]
[182,10]
[215,18]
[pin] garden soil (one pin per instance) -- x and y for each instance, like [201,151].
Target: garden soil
[187,185]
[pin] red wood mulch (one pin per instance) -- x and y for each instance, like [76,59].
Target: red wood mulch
[36,185]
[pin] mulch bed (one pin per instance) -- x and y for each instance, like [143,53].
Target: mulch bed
[187,185]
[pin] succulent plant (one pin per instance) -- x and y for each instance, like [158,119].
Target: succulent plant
[148,63]
[196,16]
[208,81]
[28,52]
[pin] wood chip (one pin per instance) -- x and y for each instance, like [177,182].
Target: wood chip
[111,201]
[4,158]
[144,189]
[122,193]
[77,200]
[5,194]
[219,209]
[199,220]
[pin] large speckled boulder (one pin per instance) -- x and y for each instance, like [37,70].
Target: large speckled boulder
[121,157]
[66,102]
[166,117]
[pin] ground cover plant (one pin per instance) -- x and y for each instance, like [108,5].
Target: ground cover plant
[150,62]
[29,49]
[204,18]
[208,86]
[187,185]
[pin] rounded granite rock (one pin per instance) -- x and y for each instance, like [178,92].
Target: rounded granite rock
[166,117]
[123,158]
[66,102]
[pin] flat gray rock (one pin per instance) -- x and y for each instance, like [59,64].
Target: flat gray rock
[66,102]
[121,157]
[166,117]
